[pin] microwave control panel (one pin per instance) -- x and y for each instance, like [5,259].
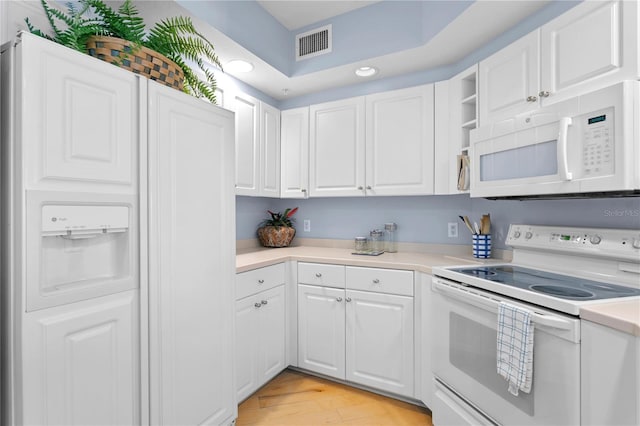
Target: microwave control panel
[597,142]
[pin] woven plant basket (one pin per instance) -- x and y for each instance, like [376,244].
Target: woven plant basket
[276,236]
[140,60]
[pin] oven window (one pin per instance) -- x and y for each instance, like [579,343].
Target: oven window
[540,159]
[472,349]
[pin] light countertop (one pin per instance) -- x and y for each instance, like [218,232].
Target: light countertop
[623,316]
[253,258]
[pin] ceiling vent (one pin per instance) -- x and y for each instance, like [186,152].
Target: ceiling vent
[313,43]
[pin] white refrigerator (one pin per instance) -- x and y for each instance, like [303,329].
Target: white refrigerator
[118,245]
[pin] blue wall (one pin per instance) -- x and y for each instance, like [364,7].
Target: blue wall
[424,219]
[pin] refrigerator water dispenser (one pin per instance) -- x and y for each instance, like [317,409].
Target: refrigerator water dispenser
[85,251]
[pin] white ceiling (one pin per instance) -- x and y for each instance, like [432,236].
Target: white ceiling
[297,14]
[480,23]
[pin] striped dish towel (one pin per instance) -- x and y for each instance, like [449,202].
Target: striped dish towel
[515,347]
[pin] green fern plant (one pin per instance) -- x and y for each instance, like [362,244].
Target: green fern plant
[176,38]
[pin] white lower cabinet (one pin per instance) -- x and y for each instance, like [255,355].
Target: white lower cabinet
[365,337]
[260,333]
[610,376]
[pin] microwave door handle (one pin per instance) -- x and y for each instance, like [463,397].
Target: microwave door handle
[491,305]
[563,135]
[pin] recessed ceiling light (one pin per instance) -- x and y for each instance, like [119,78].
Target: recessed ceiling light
[238,65]
[366,71]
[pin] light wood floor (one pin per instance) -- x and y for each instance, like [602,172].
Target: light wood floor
[294,398]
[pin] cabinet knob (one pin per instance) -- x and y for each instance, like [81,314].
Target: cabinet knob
[257,304]
[260,281]
[318,274]
[264,302]
[543,94]
[376,281]
[360,188]
[348,299]
[369,187]
[303,190]
[338,299]
[532,98]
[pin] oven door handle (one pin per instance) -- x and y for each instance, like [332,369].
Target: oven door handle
[490,304]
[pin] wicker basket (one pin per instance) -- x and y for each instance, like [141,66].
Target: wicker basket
[276,236]
[142,60]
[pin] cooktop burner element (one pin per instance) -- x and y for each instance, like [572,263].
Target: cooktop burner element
[552,284]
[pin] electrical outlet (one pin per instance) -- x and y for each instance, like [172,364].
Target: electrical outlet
[452,229]
[307,225]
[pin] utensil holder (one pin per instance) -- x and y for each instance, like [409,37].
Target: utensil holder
[481,246]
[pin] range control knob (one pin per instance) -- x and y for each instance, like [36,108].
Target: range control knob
[528,235]
[636,243]
[516,234]
[595,239]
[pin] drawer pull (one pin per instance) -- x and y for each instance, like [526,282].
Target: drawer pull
[348,299]
[257,304]
[376,281]
[318,274]
[264,302]
[260,281]
[338,299]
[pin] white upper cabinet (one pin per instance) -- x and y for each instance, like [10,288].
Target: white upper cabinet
[257,145]
[593,45]
[269,151]
[294,145]
[337,148]
[379,145]
[509,80]
[247,111]
[399,142]
[70,149]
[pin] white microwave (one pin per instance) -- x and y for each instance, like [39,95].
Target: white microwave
[585,146]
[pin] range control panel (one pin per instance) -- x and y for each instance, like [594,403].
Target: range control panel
[617,243]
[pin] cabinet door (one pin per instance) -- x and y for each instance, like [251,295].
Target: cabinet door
[591,46]
[321,330]
[337,148]
[247,346]
[379,341]
[82,363]
[399,142]
[294,139]
[269,151]
[271,325]
[78,120]
[247,122]
[191,260]
[508,78]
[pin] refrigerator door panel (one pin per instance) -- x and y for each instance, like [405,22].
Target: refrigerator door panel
[191,260]
[87,114]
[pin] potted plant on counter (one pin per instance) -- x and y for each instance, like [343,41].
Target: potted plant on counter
[119,37]
[278,231]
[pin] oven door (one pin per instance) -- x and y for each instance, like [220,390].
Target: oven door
[464,358]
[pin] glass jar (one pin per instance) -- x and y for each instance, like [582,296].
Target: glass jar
[390,243]
[361,245]
[376,238]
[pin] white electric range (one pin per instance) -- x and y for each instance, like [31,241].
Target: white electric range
[555,271]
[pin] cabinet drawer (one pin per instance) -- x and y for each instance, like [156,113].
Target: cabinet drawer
[319,274]
[380,280]
[252,282]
